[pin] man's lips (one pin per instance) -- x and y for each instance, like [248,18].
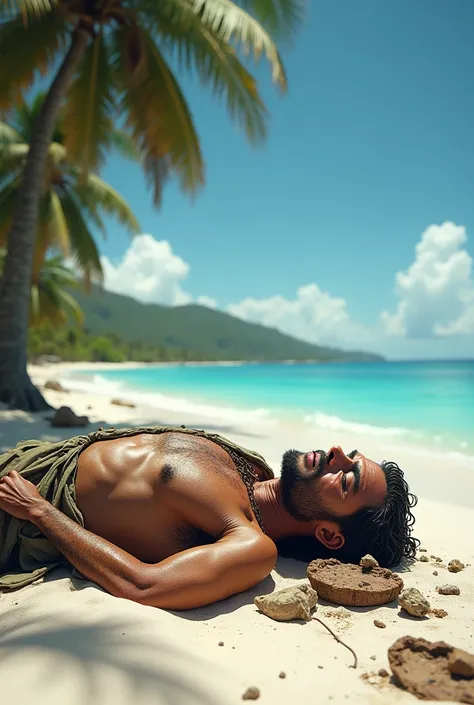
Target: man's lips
[312,459]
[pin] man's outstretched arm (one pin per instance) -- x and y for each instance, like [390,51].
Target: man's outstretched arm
[192,578]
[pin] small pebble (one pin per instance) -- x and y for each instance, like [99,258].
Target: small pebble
[435,572]
[423,550]
[455,566]
[383,673]
[423,559]
[221,643]
[379,624]
[363,583]
[320,666]
[373,657]
[433,557]
[449,590]
[282,674]
[439,560]
[438,612]
[368,562]
[251,693]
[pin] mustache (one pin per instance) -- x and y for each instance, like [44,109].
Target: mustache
[322,462]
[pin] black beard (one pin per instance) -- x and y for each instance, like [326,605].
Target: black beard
[299,491]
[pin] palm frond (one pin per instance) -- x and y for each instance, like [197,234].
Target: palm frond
[281,18]
[27,49]
[8,135]
[112,202]
[82,243]
[123,143]
[57,224]
[30,7]
[216,64]
[89,106]
[157,113]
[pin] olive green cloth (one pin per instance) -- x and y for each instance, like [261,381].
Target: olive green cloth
[25,553]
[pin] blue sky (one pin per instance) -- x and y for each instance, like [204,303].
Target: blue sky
[371,146]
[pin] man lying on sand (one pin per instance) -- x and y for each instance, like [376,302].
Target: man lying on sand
[179,518]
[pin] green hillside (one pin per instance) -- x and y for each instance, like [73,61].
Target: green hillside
[202,330]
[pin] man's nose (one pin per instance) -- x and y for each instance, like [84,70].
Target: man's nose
[338,460]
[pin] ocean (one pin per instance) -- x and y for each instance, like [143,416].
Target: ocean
[431,403]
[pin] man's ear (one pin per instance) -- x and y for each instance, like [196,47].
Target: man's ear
[329,534]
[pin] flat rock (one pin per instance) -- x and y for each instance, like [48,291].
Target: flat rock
[64,417]
[413,602]
[449,590]
[350,584]
[438,612]
[455,566]
[55,386]
[422,668]
[289,603]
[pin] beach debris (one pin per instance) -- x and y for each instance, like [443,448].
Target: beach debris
[368,562]
[289,603]
[423,559]
[221,643]
[316,619]
[383,673]
[373,657]
[379,624]
[455,566]
[55,386]
[64,417]
[123,402]
[438,612]
[423,550]
[461,663]
[449,590]
[438,559]
[432,556]
[251,693]
[350,584]
[435,572]
[413,602]
[424,669]
[282,674]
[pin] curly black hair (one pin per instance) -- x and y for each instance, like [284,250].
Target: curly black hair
[385,532]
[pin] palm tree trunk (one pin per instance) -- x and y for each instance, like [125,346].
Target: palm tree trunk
[16,388]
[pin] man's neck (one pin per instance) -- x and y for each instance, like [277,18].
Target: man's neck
[278,523]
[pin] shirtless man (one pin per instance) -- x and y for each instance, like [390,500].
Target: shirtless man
[169,522]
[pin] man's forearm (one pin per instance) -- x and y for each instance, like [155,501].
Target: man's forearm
[96,558]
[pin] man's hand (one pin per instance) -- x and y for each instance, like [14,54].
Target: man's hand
[19,497]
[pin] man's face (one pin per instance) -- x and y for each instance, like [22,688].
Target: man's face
[330,484]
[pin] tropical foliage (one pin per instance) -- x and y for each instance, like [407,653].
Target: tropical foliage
[72,207]
[51,299]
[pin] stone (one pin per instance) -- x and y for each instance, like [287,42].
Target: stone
[55,386]
[461,663]
[368,562]
[251,693]
[423,559]
[352,585]
[435,572]
[64,417]
[449,590]
[289,603]
[455,566]
[379,624]
[422,550]
[221,643]
[438,612]
[438,559]
[423,668]
[383,673]
[374,657]
[123,402]
[282,674]
[413,602]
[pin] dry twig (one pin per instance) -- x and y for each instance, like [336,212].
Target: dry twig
[316,619]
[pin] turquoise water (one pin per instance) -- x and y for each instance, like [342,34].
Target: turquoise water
[429,401]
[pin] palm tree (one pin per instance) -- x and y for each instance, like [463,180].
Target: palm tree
[112,60]
[69,204]
[50,299]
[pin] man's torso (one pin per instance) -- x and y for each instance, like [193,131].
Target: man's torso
[155,496]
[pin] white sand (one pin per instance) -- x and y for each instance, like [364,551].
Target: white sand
[66,646]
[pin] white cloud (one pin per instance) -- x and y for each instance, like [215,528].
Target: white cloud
[206,301]
[313,315]
[148,271]
[436,293]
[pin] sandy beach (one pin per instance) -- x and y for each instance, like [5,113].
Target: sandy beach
[65,642]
